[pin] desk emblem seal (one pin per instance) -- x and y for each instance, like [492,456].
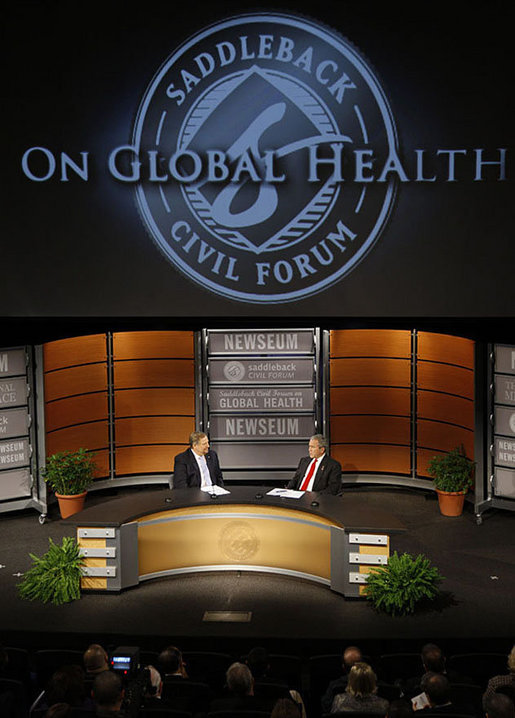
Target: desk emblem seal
[238,541]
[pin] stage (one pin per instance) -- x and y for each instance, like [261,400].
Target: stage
[475,609]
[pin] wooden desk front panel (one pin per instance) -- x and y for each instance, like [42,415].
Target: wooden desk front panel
[267,537]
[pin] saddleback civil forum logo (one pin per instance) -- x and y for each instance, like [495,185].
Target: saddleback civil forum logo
[262,132]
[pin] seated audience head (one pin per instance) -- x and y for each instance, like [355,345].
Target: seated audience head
[239,680]
[170,662]
[432,658]
[362,680]
[95,659]
[399,708]
[511,660]
[108,691]
[499,706]
[66,685]
[285,708]
[437,688]
[59,710]
[351,655]
[257,661]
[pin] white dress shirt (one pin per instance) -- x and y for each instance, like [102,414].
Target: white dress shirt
[205,476]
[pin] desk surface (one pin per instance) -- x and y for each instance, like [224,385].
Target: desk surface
[132,507]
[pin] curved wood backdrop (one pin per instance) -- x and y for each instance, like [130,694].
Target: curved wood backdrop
[152,380]
[76,397]
[378,378]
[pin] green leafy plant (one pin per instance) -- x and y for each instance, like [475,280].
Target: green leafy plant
[453,471]
[70,472]
[55,576]
[399,586]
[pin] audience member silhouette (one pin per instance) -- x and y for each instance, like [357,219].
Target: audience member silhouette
[433,661]
[506,679]
[497,705]
[351,655]
[360,693]
[240,692]
[286,708]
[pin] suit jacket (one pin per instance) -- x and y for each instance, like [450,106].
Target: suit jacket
[328,477]
[186,473]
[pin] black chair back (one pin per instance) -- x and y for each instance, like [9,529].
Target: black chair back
[480,667]
[393,667]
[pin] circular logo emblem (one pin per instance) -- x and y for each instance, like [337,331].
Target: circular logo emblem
[268,143]
[512,423]
[234,371]
[238,541]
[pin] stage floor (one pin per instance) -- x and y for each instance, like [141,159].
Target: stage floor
[478,563]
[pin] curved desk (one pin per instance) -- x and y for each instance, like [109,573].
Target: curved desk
[165,533]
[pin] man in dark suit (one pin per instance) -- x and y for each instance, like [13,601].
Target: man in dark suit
[197,466]
[318,471]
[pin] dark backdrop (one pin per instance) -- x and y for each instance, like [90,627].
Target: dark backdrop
[72,81]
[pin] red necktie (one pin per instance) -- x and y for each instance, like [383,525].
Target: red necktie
[305,483]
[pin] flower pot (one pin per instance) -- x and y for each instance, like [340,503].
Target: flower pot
[70,504]
[451,502]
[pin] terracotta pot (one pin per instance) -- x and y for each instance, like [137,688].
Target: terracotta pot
[451,502]
[72,504]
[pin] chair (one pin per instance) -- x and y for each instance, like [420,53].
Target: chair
[18,691]
[207,667]
[162,712]
[18,666]
[274,691]
[467,697]
[396,666]
[48,660]
[480,667]
[148,658]
[389,691]
[287,668]
[186,695]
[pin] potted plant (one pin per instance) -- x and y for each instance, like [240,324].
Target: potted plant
[55,576]
[399,586]
[452,475]
[69,474]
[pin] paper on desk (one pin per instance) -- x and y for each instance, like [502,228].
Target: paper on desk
[215,489]
[286,493]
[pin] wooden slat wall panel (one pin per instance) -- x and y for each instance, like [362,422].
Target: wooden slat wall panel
[371,343]
[370,429]
[448,379]
[372,459]
[444,437]
[77,350]
[93,436]
[76,380]
[154,430]
[442,407]
[370,372]
[370,400]
[140,402]
[76,409]
[445,348]
[146,459]
[153,345]
[154,373]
